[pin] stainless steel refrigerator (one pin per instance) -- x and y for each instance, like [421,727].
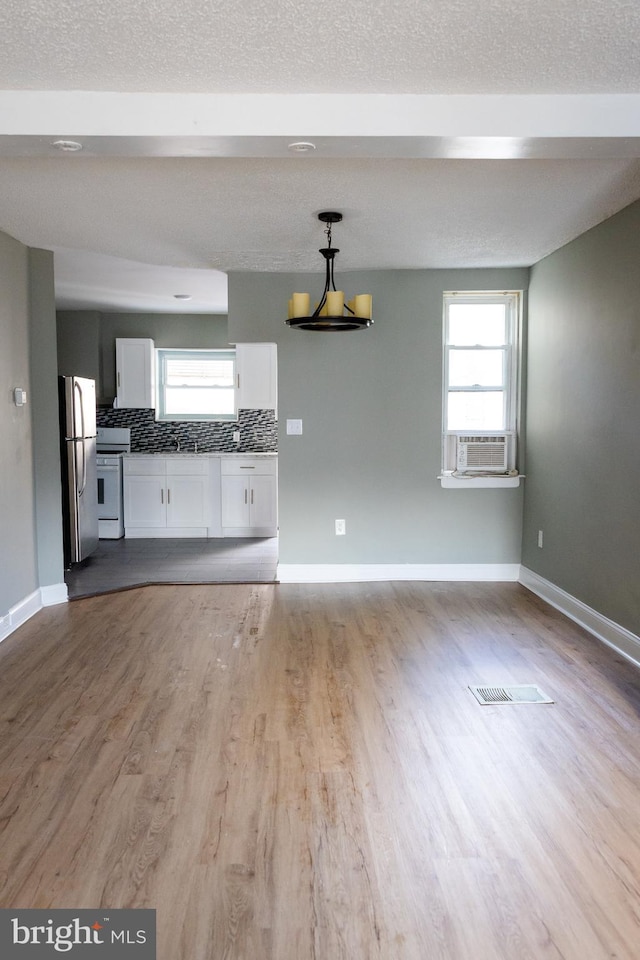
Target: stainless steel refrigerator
[79,475]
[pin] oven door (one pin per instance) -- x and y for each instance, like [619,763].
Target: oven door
[109,490]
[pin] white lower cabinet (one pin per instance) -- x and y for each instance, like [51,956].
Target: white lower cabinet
[144,502]
[249,497]
[166,497]
[200,496]
[187,501]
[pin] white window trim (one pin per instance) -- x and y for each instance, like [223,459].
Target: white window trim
[163,352]
[512,359]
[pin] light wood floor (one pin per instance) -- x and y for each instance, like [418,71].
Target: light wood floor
[299,772]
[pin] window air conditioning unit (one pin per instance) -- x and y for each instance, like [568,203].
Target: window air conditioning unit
[487,454]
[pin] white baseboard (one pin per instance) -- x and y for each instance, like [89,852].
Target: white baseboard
[164,533]
[29,606]
[627,644]
[54,593]
[354,572]
[20,613]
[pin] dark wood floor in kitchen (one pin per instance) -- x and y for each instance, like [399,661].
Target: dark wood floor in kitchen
[300,772]
[121,564]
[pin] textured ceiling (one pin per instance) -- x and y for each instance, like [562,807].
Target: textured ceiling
[248,214]
[276,46]
[128,214]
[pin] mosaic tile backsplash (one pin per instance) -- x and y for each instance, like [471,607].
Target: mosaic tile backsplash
[258,432]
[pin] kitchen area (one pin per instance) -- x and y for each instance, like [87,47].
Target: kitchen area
[190,500]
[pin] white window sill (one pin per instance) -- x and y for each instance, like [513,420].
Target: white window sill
[475,482]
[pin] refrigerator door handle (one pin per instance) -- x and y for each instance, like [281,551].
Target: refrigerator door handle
[80,466]
[83,482]
[80,407]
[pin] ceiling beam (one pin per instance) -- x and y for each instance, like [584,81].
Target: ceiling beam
[227,125]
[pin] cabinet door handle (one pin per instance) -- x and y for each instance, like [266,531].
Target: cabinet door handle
[245,495]
[247,468]
[161,495]
[118,378]
[252,496]
[168,495]
[238,380]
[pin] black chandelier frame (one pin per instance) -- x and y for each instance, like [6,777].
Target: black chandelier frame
[315,321]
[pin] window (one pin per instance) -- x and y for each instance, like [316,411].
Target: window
[196,385]
[481,365]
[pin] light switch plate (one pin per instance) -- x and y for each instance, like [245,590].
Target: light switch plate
[294,427]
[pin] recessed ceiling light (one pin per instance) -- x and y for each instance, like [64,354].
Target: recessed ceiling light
[67,146]
[182,296]
[301,146]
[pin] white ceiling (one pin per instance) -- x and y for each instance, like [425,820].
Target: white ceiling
[449,135]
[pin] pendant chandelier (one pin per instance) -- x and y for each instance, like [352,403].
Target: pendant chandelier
[331,313]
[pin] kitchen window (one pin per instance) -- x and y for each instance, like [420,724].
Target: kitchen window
[196,385]
[481,365]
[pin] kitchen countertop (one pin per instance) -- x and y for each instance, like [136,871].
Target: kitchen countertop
[190,454]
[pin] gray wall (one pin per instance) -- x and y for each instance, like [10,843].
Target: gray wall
[193,331]
[86,339]
[583,405]
[44,416]
[370,402]
[18,578]
[78,344]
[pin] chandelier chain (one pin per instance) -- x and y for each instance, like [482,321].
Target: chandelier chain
[328,233]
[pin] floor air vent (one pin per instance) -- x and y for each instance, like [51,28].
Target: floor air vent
[522,693]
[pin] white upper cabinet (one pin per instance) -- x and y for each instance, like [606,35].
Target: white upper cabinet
[256,376]
[135,373]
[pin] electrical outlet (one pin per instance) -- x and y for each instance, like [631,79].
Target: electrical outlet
[341,528]
[540,538]
[236,436]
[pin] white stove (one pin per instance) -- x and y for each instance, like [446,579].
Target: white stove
[111,443]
